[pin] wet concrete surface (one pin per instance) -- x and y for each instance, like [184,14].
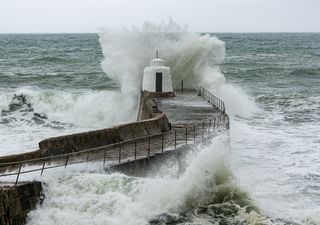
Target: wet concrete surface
[186,108]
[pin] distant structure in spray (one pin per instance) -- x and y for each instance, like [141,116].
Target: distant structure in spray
[157,77]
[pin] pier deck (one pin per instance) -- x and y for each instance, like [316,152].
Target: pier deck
[186,108]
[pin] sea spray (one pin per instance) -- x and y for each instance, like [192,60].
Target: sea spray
[82,196]
[193,58]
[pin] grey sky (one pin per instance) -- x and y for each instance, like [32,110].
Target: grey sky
[29,16]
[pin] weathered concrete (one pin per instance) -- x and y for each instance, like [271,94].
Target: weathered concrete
[148,107]
[76,142]
[80,141]
[186,108]
[22,157]
[17,201]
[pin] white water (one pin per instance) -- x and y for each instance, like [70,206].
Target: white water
[82,197]
[66,112]
[192,57]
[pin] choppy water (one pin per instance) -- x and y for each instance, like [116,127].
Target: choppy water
[54,84]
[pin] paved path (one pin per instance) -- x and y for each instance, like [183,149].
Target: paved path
[186,108]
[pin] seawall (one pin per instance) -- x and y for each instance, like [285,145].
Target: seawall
[152,121]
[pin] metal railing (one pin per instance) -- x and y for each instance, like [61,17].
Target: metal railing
[126,150]
[211,98]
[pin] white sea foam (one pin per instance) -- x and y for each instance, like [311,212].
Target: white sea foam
[82,197]
[193,58]
[65,112]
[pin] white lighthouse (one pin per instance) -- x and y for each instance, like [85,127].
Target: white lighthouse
[157,77]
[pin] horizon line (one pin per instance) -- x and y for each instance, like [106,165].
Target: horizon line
[200,32]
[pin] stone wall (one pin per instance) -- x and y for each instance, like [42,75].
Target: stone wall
[21,157]
[17,201]
[80,141]
[151,122]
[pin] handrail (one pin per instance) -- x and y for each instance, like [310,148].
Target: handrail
[211,98]
[139,106]
[134,148]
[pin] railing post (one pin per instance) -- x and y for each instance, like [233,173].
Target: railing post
[162,143]
[209,126]
[202,129]
[67,159]
[175,139]
[228,123]
[120,152]
[181,86]
[194,133]
[186,135]
[104,157]
[88,156]
[149,142]
[18,174]
[135,149]
[43,164]
[214,124]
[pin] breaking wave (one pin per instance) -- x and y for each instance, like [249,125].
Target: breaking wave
[194,58]
[35,114]
[82,109]
[205,194]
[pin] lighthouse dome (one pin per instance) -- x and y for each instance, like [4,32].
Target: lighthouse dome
[157,62]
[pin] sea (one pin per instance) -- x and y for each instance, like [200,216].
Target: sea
[266,171]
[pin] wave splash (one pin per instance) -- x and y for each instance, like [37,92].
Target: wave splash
[80,109]
[194,58]
[206,193]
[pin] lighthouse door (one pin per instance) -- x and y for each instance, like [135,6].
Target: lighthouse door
[158,82]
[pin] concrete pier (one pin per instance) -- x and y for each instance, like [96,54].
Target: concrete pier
[186,108]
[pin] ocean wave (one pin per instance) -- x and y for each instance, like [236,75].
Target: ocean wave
[92,109]
[52,60]
[305,71]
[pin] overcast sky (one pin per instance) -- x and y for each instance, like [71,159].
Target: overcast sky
[33,16]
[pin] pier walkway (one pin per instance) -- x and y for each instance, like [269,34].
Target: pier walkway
[187,108]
